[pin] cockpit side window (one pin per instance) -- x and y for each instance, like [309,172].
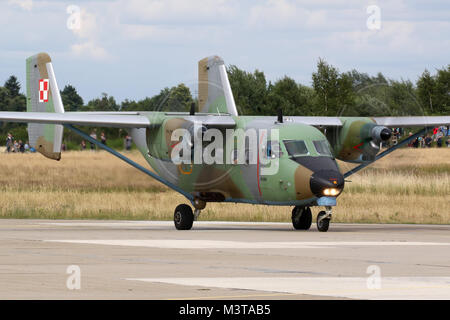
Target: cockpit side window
[273,150]
[296,148]
[322,148]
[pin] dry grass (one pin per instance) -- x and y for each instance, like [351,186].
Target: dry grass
[408,186]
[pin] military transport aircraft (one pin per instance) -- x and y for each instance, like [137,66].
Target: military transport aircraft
[304,149]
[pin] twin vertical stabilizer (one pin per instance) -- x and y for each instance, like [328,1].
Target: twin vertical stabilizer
[43,96]
[214,91]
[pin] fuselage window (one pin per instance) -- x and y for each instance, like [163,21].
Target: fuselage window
[322,147]
[296,148]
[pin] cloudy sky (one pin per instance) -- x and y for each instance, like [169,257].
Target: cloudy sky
[134,48]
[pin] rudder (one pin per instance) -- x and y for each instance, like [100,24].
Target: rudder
[214,91]
[43,96]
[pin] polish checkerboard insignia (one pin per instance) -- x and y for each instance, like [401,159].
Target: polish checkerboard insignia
[43,90]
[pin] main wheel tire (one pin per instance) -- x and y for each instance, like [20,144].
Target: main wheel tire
[322,224]
[183,217]
[301,218]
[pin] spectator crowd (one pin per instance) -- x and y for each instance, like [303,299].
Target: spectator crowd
[440,135]
[18,146]
[12,145]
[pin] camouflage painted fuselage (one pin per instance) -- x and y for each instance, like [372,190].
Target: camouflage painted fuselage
[299,180]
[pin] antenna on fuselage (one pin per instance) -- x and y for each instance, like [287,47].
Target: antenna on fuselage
[192,111]
[280,116]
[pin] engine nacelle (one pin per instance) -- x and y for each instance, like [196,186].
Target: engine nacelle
[358,140]
[381,134]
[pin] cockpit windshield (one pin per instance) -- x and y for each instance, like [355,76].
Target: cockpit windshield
[322,148]
[296,148]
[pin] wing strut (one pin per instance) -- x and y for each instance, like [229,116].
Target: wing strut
[386,152]
[129,161]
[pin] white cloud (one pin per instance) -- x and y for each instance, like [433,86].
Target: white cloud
[88,32]
[169,36]
[89,49]
[394,36]
[24,4]
[285,14]
[177,11]
[87,25]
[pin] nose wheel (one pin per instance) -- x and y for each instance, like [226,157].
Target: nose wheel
[323,220]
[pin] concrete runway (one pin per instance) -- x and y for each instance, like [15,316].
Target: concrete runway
[221,260]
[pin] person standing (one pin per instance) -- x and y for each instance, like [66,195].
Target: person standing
[428,141]
[128,143]
[103,138]
[439,136]
[9,142]
[93,135]
[21,146]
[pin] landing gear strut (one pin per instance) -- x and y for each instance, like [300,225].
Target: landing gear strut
[323,219]
[301,218]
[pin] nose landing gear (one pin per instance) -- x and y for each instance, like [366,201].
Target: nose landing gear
[323,219]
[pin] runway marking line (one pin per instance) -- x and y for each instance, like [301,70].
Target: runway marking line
[222,244]
[343,287]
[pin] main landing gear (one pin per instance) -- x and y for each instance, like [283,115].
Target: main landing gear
[302,218]
[183,216]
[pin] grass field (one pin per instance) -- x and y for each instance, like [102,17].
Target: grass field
[408,186]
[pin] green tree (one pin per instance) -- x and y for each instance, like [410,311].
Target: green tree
[249,90]
[426,90]
[334,90]
[105,103]
[72,101]
[443,90]
[179,99]
[401,99]
[12,86]
[293,98]
[433,90]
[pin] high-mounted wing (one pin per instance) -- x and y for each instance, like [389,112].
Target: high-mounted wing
[424,121]
[394,122]
[78,118]
[314,121]
[207,119]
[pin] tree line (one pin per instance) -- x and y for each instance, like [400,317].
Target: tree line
[332,93]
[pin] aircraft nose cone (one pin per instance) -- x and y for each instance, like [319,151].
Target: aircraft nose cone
[326,183]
